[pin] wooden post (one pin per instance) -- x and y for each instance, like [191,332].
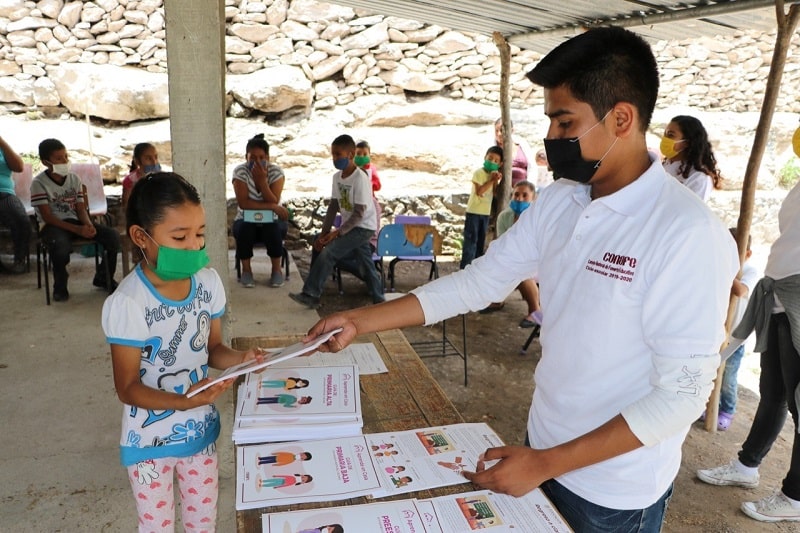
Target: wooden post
[504,191]
[786,25]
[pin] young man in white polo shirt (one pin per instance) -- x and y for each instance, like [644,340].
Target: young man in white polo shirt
[635,273]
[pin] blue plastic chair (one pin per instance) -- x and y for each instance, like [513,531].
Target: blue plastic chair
[392,242]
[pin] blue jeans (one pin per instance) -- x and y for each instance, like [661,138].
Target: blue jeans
[475,227]
[356,242]
[730,385]
[585,516]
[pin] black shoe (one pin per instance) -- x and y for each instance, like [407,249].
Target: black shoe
[305,299]
[19,267]
[101,283]
[60,294]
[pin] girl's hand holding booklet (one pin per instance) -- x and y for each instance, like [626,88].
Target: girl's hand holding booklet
[271,358]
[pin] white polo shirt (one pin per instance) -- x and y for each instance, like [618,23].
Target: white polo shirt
[634,288]
[784,255]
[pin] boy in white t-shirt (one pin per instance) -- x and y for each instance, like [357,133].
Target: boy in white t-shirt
[352,196]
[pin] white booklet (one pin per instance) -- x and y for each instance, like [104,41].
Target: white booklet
[532,513]
[432,457]
[310,393]
[270,359]
[396,517]
[305,471]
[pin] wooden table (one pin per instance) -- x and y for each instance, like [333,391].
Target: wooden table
[405,398]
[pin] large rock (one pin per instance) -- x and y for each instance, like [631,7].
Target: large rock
[369,38]
[272,90]
[13,9]
[30,23]
[111,92]
[411,81]
[438,111]
[311,11]
[451,41]
[328,67]
[44,93]
[14,90]
[254,33]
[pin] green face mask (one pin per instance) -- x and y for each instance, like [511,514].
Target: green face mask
[489,166]
[176,264]
[361,160]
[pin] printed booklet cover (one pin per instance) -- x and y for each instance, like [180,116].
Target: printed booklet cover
[271,358]
[426,458]
[301,393]
[394,517]
[532,513]
[306,471]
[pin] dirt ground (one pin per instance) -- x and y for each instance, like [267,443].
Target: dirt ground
[495,363]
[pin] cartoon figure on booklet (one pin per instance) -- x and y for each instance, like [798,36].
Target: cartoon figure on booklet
[456,466]
[286,400]
[282,458]
[400,482]
[286,384]
[278,482]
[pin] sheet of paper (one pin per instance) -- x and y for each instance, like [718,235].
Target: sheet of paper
[270,359]
[396,517]
[532,513]
[426,458]
[306,471]
[363,355]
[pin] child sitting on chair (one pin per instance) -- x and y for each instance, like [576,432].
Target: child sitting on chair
[352,195]
[57,195]
[258,184]
[524,195]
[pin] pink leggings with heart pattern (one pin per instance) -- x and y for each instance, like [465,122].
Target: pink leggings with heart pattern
[198,485]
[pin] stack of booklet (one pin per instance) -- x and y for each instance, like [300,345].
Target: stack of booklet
[298,403]
[455,513]
[378,464]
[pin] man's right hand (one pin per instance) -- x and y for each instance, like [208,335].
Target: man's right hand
[339,341]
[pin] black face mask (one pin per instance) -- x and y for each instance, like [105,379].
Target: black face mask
[565,159]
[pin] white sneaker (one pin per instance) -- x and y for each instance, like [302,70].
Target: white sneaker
[728,475]
[775,508]
[247,280]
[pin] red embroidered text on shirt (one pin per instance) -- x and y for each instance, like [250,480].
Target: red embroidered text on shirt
[614,266]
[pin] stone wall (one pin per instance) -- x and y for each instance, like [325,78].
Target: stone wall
[108,58]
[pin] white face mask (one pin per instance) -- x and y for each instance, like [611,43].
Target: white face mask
[62,169]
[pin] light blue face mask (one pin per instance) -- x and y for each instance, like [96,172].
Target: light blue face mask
[151,169]
[518,206]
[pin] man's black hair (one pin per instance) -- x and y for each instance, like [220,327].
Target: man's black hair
[602,67]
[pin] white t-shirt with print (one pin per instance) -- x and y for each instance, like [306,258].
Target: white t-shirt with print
[352,190]
[173,338]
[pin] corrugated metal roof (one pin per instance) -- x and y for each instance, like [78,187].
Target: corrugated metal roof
[540,25]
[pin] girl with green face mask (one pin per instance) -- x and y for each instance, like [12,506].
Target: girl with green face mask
[163,325]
